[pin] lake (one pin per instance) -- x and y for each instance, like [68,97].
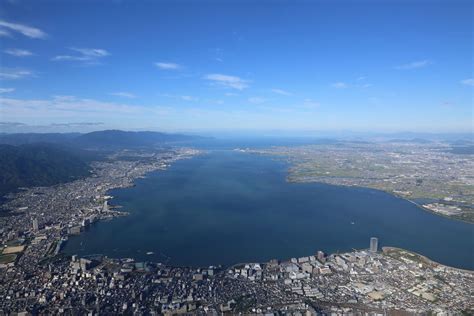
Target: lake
[226,207]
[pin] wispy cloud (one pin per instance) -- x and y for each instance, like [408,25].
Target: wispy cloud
[18,52]
[15,127]
[179,97]
[86,55]
[168,66]
[281,92]
[124,94]
[13,74]
[257,100]
[4,33]
[28,31]
[6,90]
[339,85]
[414,65]
[71,106]
[468,82]
[188,98]
[11,124]
[310,104]
[77,124]
[227,81]
[359,82]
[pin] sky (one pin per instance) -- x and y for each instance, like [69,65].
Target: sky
[384,66]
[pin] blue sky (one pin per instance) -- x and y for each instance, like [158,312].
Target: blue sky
[237,65]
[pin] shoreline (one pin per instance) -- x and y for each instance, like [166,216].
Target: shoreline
[426,260]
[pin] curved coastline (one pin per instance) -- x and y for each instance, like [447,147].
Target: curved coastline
[146,175]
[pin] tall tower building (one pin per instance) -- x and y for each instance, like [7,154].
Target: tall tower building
[374,244]
[321,256]
[35,225]
[105,208]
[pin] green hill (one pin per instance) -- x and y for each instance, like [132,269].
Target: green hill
[38,165]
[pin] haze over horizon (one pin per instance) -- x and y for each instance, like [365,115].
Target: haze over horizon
[307,66]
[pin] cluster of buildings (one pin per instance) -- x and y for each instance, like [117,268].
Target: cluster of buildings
[365,281]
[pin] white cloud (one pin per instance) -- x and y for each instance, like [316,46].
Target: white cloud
[256,100]
[188,98]
[18,52]
[87,55]
[71,106]
[124,94]
[339,85]
[4,33]
[167,66]
[92,52]
[227,81]
[468,82]
[6,90]
[282,92]
[23,29]
[414,65]
[13,74]
[310,104]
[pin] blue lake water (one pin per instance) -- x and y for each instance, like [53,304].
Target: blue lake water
[226,207]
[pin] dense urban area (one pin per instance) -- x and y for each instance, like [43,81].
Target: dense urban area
[431,174]
[37,278]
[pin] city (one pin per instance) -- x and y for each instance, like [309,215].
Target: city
[264,157]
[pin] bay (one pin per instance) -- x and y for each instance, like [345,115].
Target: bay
[227,207]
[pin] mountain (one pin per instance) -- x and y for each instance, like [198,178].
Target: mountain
[29,159]
[38,165]
[124,139]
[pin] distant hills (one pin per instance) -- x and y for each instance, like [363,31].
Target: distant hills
[123,139]
[38,165]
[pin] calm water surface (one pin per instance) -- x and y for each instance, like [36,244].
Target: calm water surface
[226,207]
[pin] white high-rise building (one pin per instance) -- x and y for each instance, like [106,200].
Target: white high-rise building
[374,244]
[35,225]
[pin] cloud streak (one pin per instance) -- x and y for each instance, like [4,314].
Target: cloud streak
[73,108]
[227,81]
[257,100]
[282,92]
[124,95]
[86,55]
[414,65]
[25,30]
[18,52]
[14,74]
[339,85]
[168,66]
[468,82]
